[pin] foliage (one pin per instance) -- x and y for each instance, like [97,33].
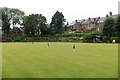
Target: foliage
[115,38]
[5,24]
[10,15]
[88,38]
[14,15]
[74,34]
[118,26]
[106,39]
[57,23]
[35,27]
[9,39]
[109,27]
[91,31]
[35,24]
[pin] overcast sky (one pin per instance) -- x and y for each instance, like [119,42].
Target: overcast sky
[71,9]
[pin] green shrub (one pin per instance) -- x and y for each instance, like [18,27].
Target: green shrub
[28,38]
[106,39]
[17,39]
[9,39]
[115,38]
[118,39]
[88,38]
[91,31]
[72,35]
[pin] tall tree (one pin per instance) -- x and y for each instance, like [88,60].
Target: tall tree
[118,26]
[10,16]
[34,24]
[109,27]
[57,22]
[16,16]
[5,24]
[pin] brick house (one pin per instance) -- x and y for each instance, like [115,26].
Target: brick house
[87,24]
[15,32]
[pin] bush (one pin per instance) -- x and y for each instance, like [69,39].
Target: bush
[73,35]
[9,39]
[106,39]
[118,39]
[88,38]
[115,38]
[28,38]
[17,39]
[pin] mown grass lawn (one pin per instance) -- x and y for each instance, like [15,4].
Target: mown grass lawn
[27,60]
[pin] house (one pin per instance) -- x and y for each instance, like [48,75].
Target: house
[70,29]
[87,24]
[15,32]
[102,20]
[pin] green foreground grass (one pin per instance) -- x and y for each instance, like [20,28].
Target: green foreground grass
[27,60]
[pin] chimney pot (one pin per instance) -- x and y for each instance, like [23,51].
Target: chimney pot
[106,15]
[89,18]
[110,13]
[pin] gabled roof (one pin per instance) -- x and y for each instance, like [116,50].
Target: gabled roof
[101,20]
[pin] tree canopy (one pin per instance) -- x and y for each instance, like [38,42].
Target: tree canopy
[57,23]
[109,27]
[118,26]
[10,16]
[34,24]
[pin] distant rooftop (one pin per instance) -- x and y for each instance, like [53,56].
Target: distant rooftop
[101,20]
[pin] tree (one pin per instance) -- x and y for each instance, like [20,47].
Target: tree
[118,26]
[109,27]
[34,24]
[16,16]
[57,23]
[10,16]
[5,24]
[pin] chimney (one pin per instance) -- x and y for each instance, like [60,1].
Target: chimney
[94,20]
[76,21]
[106,15]
[89,18]
[110,13]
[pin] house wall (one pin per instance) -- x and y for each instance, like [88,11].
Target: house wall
[85,27]
[15,32]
